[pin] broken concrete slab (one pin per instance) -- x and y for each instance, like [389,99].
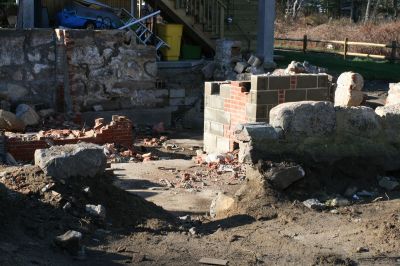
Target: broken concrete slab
[82,159]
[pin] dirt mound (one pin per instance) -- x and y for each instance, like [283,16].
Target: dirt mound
[348,182]
[35,207]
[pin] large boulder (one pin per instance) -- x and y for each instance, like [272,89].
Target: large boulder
[307,118]
[349,89]
[27,114]
[389,116]
[358,121]
[82,159]
[10,122]
[393,94]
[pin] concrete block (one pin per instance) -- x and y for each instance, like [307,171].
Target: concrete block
[211,88]
[307,81]
[225,91]
[240,67]
[216,115]
[318,94]
[259,82]
[295,95]
[223,144]
[254,61]
[256,111]
[266,97]
[323,81]
[216,129]
[279,83]
[214,101]
[177,93]
[210,142]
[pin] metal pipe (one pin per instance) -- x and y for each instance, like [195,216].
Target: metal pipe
[139,20]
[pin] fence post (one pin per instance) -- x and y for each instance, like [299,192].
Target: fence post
[346,48]
[304,43]
[394,50]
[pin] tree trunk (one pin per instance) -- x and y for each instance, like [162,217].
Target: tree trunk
[375,12]
[367,11]
[395,9]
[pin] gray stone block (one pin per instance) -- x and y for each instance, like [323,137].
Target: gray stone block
[360,121]
[214,101]
[304,118]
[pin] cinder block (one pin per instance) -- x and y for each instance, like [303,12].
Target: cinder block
[279,83]
[266,97]
[240,67]
[207,126]
[223,144]
[256,110]
[216,129]
[295,95]
[318,94]
[214,101]
[211,88]
[259,82]
[323,81]
[177,93]
[216,115]
[307,81]
[225,91]
[210,142]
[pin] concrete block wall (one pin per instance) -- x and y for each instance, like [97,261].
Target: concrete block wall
[228,104]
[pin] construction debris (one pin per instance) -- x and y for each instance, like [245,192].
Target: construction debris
[393,94]
[83,159]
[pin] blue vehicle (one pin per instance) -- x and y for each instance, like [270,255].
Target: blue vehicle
[88,14]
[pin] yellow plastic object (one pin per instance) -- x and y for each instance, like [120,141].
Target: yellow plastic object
[172,35]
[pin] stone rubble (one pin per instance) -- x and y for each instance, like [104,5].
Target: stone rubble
[349,90]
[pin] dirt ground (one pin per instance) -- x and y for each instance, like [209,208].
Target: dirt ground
[139,233]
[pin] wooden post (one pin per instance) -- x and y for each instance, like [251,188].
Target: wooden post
[304,43]
[346,48]
[394,50]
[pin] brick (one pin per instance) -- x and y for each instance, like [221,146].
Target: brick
[295,95]
[216,115]
[177,93]
[225,91]
[214,101]
[318,94]
[265,97]
[307,81]
[259,83]
[279,83]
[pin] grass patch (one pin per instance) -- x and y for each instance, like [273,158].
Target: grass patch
[369,69]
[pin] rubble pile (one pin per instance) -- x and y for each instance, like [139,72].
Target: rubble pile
[67,211]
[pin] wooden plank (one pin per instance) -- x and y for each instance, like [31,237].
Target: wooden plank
[211,261]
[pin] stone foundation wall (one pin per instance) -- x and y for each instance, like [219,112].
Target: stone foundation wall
[228,104]
[78,70]
[317,132]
